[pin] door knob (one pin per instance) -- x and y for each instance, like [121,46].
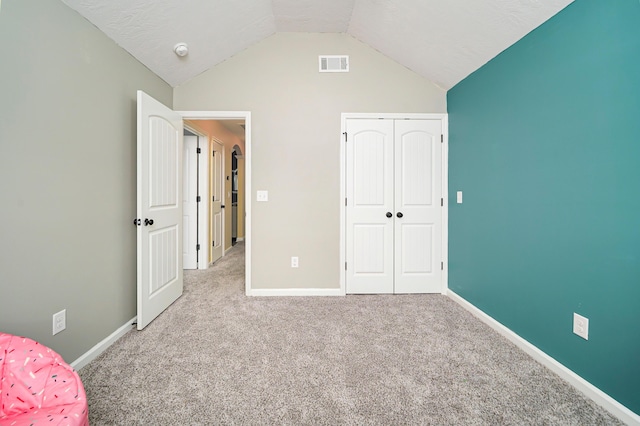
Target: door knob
[399,214]
[389,214]
[148,222]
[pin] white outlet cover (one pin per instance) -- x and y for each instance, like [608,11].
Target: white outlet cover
[59,321]
[581,326]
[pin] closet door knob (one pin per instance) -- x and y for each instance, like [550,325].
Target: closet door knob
[399,214]
[148,222]
[389,214]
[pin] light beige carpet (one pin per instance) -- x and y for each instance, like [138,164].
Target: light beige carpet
[218,357]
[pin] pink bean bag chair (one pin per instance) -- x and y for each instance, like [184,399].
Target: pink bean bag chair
[38,387]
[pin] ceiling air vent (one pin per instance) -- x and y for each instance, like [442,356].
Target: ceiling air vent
[333,63]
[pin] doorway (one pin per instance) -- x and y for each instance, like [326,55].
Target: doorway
[220,154]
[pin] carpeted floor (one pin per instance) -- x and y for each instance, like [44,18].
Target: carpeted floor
[218,357]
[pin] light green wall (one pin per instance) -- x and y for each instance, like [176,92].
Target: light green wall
[545,144]
[67,175]
[295,153]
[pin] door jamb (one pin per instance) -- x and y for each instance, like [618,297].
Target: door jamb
[246,116]
[444,118]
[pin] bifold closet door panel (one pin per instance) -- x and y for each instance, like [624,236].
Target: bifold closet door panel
[393,212]
[417,194]
[369,239]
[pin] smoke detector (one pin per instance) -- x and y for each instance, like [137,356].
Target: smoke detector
[181,49]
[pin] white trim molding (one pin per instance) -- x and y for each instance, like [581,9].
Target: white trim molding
[268,292]
[592,392]
[445,207]
[102,346]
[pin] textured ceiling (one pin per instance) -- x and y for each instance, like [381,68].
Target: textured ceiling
[442,40]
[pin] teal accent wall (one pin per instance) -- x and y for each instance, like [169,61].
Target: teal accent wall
[545,145]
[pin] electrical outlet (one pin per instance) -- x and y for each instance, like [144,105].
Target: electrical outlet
[59,321]
[581,326]
[294,262]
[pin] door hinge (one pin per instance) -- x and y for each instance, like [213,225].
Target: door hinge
[345,201]
[442,266]
[213,198]
[198,150]
[345,266]
[198,199]
[222,207]
[441,138]
[213,153]
[345,136]
[213,244]
[441,202]
[197,247]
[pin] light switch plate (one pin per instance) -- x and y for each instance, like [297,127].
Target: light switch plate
[459,197]
[262,196]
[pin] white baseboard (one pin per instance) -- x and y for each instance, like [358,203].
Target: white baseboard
[598,396]
[296,292]
[93,353]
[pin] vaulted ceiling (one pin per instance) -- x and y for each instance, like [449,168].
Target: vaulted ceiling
[442,40]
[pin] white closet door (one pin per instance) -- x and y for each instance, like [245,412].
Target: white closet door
[417,203]
[393,213]
[369,239]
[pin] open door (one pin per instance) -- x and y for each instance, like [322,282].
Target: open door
[217,220]
[159,220]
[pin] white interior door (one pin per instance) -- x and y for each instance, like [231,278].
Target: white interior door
[217,220]
[393,213]
[418,221]
[159,230]
[369,221]
[189,203]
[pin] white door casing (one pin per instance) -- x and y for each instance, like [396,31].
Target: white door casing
[189,202]
[393,167]
[159,208]
[217,193]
